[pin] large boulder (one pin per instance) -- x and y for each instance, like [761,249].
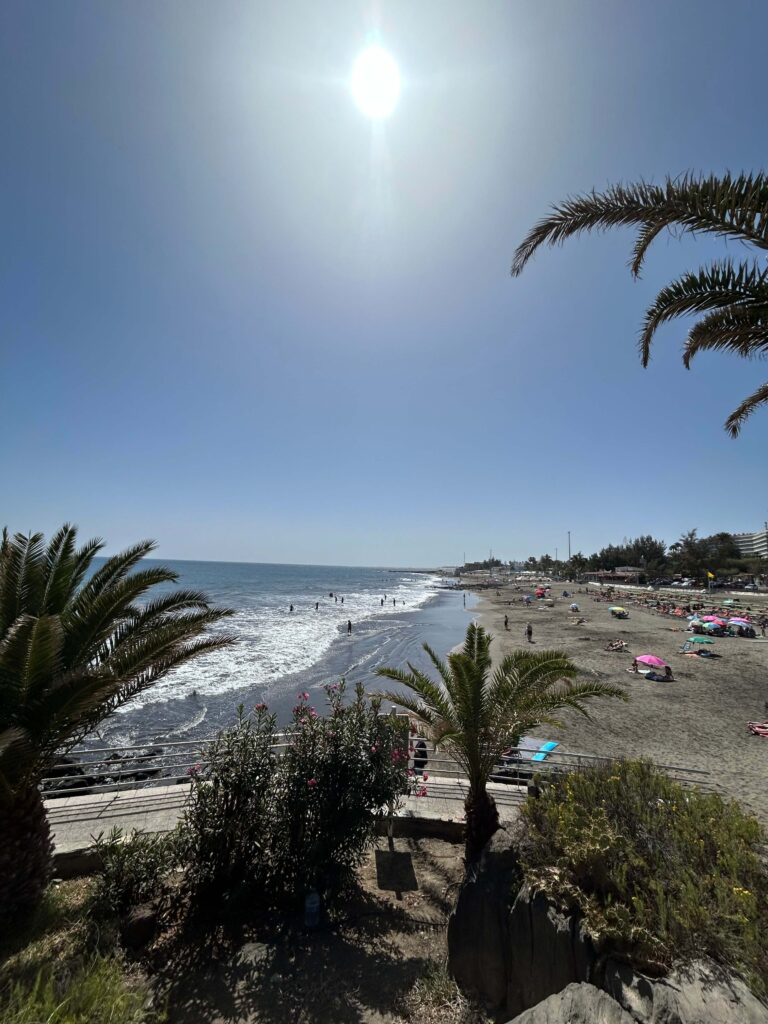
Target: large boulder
[576,1004]
[478,933]
[700,995]
[547,950]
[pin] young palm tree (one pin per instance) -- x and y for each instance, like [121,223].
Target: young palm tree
[75,644]
[733,297]
[477,715]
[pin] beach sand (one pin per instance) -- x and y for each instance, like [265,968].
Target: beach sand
[697,721]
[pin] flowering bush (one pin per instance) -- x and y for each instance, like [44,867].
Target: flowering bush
[338,773]
[277,826]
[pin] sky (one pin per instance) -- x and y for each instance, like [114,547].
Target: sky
[241,318]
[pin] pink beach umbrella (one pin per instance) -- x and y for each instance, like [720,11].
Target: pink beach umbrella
[713,618]
[651,659]
[739,622]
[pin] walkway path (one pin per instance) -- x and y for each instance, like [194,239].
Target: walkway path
[76,820]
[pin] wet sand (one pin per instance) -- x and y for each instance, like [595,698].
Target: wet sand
[697,721]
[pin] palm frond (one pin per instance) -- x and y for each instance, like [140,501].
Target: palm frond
[716,287]
[742,330]
[735,207]
[735,421]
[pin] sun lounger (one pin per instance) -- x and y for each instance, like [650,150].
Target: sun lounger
[758,728]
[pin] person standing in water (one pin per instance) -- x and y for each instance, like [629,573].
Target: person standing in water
[291,608]
[349,626]
[382,602]
[317,605]
[342,600]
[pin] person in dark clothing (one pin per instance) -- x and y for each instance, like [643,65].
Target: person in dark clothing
[419,756]
[506,622]
[529,633]
[349,626]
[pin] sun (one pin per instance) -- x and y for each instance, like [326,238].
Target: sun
[375,82]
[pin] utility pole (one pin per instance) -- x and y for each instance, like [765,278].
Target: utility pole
[569,545]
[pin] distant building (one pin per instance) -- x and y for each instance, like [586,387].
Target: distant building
[624,574]
[753,545]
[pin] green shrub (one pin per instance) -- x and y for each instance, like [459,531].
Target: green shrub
[94,993]
[225,838]
[135,867]
[660,872]
[275,826]
[336,774]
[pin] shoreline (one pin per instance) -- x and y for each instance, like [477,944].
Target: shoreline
[697,721]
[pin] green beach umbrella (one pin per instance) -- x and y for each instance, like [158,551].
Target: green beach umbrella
[699,640]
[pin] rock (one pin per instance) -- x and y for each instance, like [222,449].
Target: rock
[576,1004]
[139,926]
[548,950]
[703,994]
[478,947]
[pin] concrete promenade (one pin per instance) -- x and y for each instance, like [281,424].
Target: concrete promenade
[76,820]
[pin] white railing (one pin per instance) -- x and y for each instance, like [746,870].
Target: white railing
[144,766]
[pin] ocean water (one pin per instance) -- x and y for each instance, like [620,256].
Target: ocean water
[279,652]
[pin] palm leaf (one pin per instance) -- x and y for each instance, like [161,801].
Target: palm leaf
[717,287]
[735,207]
[735,421]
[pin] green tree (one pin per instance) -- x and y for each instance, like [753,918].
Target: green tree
[477,714]
[75,645]
[733,298]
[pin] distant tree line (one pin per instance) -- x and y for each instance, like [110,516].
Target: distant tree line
[690,556]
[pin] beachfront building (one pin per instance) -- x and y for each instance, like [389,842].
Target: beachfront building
[622,574]
[753,545]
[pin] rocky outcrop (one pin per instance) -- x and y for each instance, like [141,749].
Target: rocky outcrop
[701,995]
[546,950]
[478,928]
[513,950]
[576,1004]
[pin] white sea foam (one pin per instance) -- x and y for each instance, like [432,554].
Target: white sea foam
[273,642]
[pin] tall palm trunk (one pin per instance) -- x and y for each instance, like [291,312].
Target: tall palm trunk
[482,821]
[26,850]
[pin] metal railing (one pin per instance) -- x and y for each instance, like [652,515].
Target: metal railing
[87,771]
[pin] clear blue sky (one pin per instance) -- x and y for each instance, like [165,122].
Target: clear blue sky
[241,318]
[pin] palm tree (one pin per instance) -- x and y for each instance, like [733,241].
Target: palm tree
[477,715]
[75,645]
[733,297]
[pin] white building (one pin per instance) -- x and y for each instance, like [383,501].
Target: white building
[753,545]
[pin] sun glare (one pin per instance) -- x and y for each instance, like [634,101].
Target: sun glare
[375,82]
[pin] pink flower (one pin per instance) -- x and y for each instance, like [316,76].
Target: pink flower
[425,777]
[411,772]
[311,782]
[422,791]
[194,770]
[304,696]
[261,707]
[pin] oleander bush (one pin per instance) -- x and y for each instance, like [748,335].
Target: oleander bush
[660,871]
[269,828]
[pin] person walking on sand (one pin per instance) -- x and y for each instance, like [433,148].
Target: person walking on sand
[529,633]
[349,626]
[506,622]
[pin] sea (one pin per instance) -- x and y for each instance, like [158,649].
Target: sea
[280,653]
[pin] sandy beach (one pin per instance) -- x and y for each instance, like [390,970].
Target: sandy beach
[697,721]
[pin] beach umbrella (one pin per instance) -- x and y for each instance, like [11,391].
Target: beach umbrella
[712,625]
[738,621]
[729,600]
[713,618]
[651,659]
[700,640]
[617,608]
